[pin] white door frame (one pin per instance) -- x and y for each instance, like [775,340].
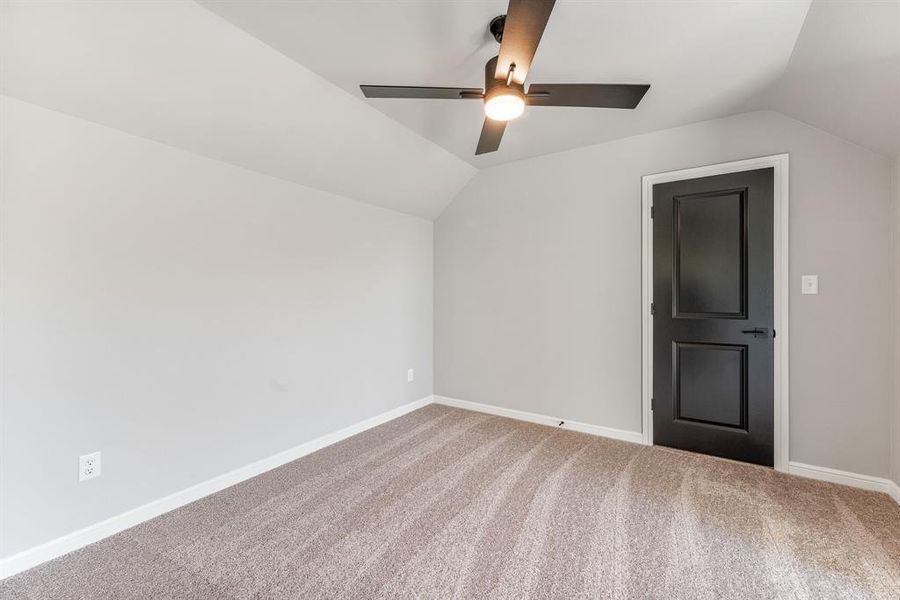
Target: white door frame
[781,165]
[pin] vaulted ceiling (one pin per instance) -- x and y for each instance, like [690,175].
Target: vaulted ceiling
[273,86]
[702,59]
[844,73]
[173,72]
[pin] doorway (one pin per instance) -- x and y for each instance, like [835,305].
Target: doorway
[715,310]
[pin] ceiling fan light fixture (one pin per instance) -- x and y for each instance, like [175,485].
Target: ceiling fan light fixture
[518,32]
[504,104]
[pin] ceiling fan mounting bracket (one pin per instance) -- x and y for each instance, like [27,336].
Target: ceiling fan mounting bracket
[496,27]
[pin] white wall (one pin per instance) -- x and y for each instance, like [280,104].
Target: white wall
[183,316]
[538,283]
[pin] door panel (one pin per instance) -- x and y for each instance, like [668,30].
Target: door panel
[710,384]
[710,248]
[713,279]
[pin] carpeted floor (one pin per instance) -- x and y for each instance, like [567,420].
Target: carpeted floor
[447,503]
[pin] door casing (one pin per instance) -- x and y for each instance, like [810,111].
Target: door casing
[780,163]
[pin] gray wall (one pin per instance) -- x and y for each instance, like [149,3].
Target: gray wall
[538,289]
[184,317]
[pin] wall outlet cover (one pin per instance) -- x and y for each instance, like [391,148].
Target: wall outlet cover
[88,466]
[410,376]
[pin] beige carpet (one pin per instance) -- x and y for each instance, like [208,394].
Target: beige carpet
[445,503]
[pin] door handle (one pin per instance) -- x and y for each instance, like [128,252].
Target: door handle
[758,332]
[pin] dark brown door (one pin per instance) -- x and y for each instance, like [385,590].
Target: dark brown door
[713,277]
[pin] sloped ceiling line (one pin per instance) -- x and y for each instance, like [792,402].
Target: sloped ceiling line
[174,72]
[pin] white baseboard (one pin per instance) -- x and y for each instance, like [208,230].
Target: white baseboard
[609,432]
[856,480]
[93,533]
[866,482]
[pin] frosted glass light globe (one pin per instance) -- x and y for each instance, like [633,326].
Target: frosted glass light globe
[504,105]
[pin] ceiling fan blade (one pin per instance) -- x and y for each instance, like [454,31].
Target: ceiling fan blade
[596,95]
[491,134]
[525,23]
[412,91]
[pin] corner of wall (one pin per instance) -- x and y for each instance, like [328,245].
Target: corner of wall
[895,431]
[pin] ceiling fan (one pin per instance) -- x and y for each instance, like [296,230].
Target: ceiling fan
[518,32]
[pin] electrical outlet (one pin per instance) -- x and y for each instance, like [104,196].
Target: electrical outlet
[88,466]
[410,376]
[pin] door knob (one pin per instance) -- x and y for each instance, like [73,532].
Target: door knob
[758,332]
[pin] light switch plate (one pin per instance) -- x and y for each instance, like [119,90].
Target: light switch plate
[809,284]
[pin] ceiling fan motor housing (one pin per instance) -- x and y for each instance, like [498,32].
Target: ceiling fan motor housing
[492,83]
[504,99]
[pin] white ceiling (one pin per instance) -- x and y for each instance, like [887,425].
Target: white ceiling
[844,75]
[171,71]
[702,58]
[273,85]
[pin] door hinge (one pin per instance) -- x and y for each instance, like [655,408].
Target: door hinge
[652,308]
[652,404]
[651,211]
